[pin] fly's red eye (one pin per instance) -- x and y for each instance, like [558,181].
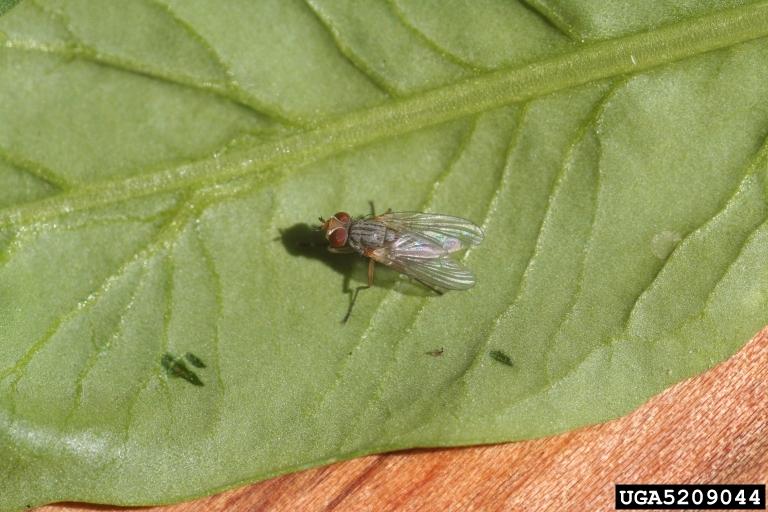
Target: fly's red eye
[343,217]
[338,237]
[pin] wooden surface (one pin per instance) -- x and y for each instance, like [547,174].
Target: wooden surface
[709,429]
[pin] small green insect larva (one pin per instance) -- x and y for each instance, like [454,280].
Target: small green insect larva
[501,357]
[177,368]
[194,360]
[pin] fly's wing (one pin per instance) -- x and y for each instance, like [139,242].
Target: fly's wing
[450,233]
[425,260]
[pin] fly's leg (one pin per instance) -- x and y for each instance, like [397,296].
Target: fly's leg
[371,264]
[340,250]
[373,210]
[389,210]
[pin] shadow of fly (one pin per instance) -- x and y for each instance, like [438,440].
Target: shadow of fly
[418,245]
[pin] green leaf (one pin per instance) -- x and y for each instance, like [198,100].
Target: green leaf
[163,335]
[7,5]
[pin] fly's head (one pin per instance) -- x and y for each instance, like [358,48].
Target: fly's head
[335,229]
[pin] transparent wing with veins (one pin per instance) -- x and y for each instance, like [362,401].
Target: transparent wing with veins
[422,247]
[451,233]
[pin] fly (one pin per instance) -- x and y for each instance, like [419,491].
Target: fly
[418,245]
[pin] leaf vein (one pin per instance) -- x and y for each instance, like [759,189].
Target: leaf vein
[760,159]
[431,43]
[103,348]
[209,262]
[467,97]
[348,53]
[35,169]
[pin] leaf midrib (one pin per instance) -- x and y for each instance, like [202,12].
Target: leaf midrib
[605,59]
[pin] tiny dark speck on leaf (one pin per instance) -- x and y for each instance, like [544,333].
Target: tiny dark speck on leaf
[177,368]
[194,360]
[436,353]
[501,357]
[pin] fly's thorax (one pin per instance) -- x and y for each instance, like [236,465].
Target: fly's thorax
[368,234]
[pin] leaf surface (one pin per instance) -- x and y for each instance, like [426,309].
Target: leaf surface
[7,5]
[163,335]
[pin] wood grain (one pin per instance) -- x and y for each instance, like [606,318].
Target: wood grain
[709,429]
